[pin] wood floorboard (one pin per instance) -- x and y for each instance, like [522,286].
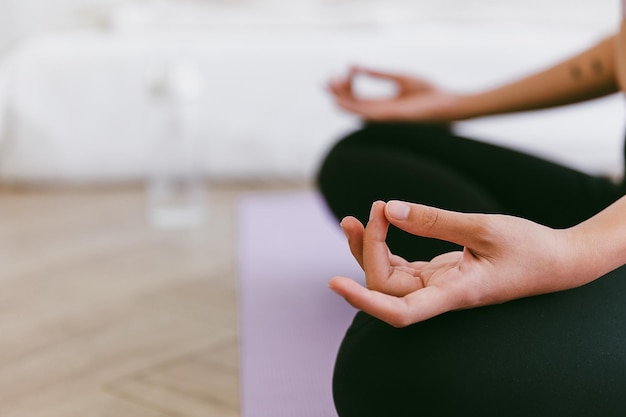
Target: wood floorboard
[102,315]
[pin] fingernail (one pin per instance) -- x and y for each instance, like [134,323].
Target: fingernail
[342,228]
[398,210]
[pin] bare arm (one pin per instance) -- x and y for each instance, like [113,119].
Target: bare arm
[601,240]
[588,75]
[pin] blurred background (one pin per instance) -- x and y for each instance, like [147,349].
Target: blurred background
[77,99]
[130,128]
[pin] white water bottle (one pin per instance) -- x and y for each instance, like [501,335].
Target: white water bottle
[176,192]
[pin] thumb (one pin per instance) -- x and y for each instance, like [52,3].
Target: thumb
[464,229]
[381,74]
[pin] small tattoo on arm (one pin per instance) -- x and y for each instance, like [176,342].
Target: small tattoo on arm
[597,67]
[576,73]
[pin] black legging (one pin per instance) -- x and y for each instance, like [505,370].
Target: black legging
[561,354]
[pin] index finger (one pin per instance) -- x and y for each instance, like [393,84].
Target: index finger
[340,87]
[376,262]
[353,229]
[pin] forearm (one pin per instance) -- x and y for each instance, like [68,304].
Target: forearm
[588,75]
[598,245]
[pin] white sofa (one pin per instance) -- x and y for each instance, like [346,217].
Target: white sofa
[75,105]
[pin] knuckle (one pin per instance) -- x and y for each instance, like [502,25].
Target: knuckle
[484,230]
[428,218]
[480,225]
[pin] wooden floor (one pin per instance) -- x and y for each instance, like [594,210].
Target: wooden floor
[103,316]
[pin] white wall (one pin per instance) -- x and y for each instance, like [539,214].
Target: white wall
[317,38]
[22,17]
[6,23]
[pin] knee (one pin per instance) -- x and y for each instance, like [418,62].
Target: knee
[335,157]
[370,378]
[371,140]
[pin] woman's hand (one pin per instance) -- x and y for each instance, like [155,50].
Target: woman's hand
[504,258]
[416,100]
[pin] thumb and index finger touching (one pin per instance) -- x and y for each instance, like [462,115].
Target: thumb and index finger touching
[343,86]
[369,242]
[463,229]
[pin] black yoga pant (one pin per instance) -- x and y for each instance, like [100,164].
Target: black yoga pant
[429,165]
[560,354]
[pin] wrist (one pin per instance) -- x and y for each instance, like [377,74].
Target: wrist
[573,244]
[463,107]
[583,258]
[557,262]
[598,245]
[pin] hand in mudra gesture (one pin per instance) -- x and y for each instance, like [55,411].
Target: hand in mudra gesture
[416,100]
[504,258]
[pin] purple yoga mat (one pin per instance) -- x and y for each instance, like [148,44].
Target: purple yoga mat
[291,324]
